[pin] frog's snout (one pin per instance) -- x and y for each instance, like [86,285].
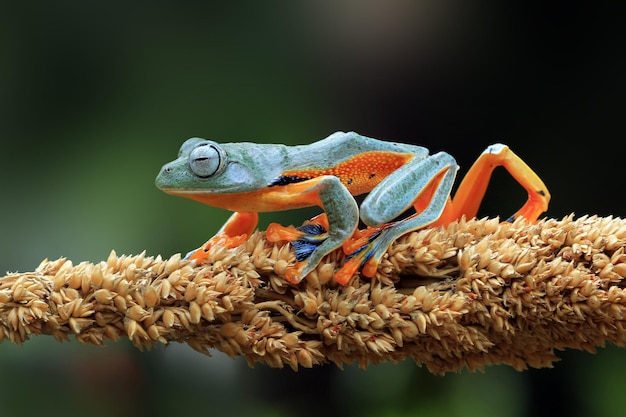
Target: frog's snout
[164,178]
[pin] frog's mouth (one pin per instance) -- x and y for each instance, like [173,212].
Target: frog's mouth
[262,200]
[190,192]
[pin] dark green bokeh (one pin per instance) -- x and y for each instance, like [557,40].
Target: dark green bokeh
[94,98]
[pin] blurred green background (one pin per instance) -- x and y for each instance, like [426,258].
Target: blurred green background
[95,97]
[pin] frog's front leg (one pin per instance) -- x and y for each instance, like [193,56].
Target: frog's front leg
[232,234]
[315,240]
[424,184]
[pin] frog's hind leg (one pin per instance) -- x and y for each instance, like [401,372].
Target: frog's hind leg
[424,184]
[472,189]
[369,246]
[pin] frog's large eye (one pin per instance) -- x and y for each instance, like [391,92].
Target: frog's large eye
[206,160]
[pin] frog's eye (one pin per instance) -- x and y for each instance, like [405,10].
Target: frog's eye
[206,160]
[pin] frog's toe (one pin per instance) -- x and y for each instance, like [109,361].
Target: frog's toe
[276,232]
[295,273]
[220,239]
[189,255]
[197,255]
[366,255]
[347,271]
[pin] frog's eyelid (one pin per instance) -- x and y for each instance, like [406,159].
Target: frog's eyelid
[205,163]
[189,145]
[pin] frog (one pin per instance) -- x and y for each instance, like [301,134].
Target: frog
[405,188]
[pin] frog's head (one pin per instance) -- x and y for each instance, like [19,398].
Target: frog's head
[203,167]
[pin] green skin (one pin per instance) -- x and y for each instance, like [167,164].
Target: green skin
[248,177]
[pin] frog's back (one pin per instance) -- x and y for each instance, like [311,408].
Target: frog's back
[358,161]
[343,146]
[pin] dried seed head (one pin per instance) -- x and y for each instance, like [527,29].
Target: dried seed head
[445,295]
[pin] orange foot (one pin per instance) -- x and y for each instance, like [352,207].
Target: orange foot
[276,232]
[304,239]
[360,251]
[220,239]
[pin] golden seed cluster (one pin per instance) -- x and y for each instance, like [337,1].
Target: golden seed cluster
[472,294]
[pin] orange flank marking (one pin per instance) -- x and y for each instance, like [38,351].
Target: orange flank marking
[425,197]
[360,173]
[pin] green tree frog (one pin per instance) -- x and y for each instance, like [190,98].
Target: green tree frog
[248,178]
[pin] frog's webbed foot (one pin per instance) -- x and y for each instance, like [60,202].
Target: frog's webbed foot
[304,239]
[364,249]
